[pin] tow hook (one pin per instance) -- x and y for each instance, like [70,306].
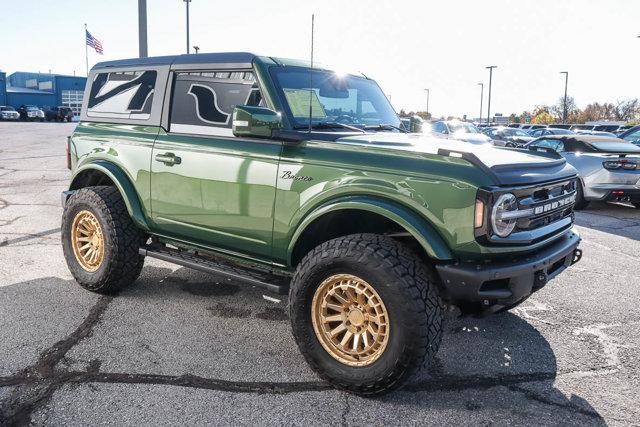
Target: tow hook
[541,279]
[577,255]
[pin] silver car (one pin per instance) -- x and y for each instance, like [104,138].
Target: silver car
[609,168]
[462,131]
[8,113]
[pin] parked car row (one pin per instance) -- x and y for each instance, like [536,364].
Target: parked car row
[577,128]
[34,113]
[608,165]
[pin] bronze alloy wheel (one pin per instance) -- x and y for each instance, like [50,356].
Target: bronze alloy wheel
[350,320]
[87,240]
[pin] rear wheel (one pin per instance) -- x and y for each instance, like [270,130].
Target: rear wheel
[100,241]
[365,313]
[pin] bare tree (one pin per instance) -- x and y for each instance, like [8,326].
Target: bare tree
[627,110]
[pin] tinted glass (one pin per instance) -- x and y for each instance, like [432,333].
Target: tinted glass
[547,143]
[514,132]
[203,103]
[561,132]
[439,127]
[633,136]
[123,95]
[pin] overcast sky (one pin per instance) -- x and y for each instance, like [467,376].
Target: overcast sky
[405,45]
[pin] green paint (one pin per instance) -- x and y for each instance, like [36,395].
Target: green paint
[253,195]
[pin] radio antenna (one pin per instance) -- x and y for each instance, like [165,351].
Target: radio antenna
[311,75]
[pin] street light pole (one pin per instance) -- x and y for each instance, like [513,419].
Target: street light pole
[490,67]
[187,2]
[481,96]
[142,28]
[427,90]
[564,104]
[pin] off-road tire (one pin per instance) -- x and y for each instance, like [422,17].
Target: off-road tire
[636,204]
[122,240]
[581,203]
[408,289]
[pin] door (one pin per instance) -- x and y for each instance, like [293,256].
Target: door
[207,186]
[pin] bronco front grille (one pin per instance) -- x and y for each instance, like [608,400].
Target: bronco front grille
[546,205]
[543,211]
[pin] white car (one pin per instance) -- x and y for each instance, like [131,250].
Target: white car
[8,113]
[462,131]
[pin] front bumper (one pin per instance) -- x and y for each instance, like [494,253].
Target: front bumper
[490,286]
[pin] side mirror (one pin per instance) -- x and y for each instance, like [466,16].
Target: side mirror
[259,122]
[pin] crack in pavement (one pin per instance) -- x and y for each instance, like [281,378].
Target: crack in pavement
[345,411]
[41,379]
[5,222]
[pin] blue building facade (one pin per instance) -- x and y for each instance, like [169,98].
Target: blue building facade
[42,90]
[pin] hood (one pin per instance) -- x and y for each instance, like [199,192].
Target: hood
[504,166]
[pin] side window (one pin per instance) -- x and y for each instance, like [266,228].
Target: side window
[203,102]
[123,95]
[633,137]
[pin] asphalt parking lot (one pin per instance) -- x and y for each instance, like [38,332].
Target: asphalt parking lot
[183,347]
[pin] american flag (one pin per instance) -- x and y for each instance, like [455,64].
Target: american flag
[94,43]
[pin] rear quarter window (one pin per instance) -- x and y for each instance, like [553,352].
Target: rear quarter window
[123,95]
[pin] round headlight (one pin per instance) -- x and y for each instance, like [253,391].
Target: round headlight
[501,224]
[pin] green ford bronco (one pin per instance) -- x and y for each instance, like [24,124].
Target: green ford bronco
[303,181]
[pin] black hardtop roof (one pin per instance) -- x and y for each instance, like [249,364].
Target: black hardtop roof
[200,58]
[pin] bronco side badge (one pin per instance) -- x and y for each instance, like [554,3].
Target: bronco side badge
[289,175]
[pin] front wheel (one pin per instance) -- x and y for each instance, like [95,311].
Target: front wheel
[365,313]
[636,204]
[100,241]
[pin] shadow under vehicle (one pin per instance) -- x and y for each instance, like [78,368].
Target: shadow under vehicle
[78,340]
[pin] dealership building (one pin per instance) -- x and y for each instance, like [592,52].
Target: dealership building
[42,90]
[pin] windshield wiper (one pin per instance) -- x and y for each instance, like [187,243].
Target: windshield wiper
[384,126]
[329,125]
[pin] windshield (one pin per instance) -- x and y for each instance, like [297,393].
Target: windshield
[461,127]
[7,109]
[515,132]
[347,99]
[562,131]
[32,108]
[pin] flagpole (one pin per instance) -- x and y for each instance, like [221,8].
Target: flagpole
[86,49]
